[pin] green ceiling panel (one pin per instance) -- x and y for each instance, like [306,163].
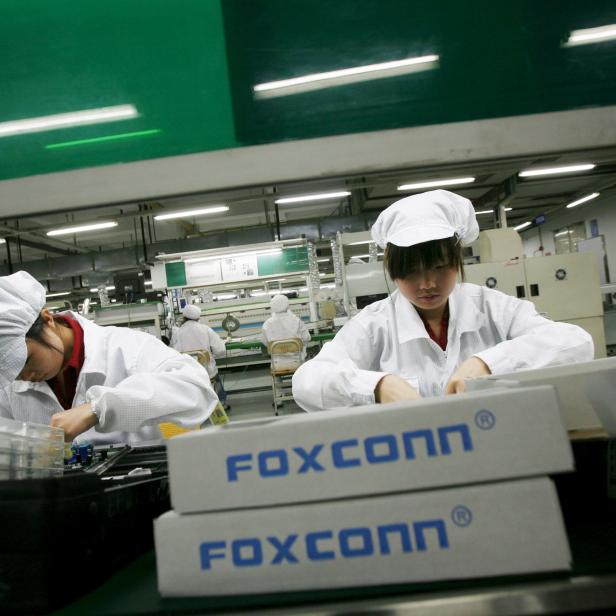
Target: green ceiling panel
[168,59]
[189,68]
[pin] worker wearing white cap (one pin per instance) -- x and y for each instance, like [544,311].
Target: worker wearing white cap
[100,384]
[195,336]
[432,332]
[283,324]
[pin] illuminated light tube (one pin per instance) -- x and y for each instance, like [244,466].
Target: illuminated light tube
[529,173]
[57,294]
[584,199]
[202,211]
[436,183]
[95,289]
[315,197]
[523,225]
[66,120]
[273,251]
[588,36]
[329,79]
[477,213]
[2,240]
[82,228]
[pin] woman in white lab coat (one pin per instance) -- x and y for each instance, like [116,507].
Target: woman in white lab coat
[195,336]
[100,384]
[432,332]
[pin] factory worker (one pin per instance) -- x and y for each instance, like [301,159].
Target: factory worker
[100,384]
[195,336]
[283,324]
[432,332]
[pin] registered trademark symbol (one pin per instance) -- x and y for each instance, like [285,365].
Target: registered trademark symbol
[461,516]
[485,420]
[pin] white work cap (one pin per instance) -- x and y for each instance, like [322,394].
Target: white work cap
[21,300]
[279,303]
[192,312]
[432,215]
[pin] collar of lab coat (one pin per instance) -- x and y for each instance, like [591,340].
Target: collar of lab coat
[95,360]
[464,316]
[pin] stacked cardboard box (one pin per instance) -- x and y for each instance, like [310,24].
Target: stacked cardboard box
[436,489]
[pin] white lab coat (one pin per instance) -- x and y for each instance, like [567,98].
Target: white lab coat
[194,336]
[133,382]
[284,325]
[389,337]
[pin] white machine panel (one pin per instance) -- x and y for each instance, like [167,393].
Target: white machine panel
[508,278]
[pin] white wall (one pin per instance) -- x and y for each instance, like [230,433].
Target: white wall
[603,209]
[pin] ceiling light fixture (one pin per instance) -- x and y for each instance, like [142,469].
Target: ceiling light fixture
[523,225]
[82,228]
[214,209]
[271,251]
[314,197]
[528,173]
[478,212]
[57,294]
[66,120]
[587,36]
[583,199]
[367,72]
[436,183]
[2,240]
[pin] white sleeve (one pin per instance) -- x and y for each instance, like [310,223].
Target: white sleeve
[5,407]
[216,343]
[532,341]
[342,374]
[163,385]
[304,334]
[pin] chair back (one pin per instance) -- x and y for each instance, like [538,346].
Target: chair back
[286,355]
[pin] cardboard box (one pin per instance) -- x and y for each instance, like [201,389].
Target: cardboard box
[476,531]
[462,439]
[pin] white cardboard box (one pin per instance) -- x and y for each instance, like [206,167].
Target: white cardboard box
[484,530]
[462,439]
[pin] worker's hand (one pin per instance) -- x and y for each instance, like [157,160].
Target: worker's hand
[469,369]
[392,388]
[74,421]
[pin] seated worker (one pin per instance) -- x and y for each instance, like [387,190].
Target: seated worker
[432,332]
[101,384]
[283,324]
[195,336]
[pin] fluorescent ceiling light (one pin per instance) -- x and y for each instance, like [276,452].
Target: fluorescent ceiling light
[2,240]
[522,226]
[584,199]
[105,138]
[368,72]
[591,35]
[528,173]
[82,228]
[436,183]
[567,232]
[508,209]
[314,197]
[57,294]
[65,120]
[318,260]
[478,212]
[215,209]
[271,251]
[95,289]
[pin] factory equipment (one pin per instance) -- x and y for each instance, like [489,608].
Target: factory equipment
[145,317]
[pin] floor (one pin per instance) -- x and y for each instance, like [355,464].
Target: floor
[249,392]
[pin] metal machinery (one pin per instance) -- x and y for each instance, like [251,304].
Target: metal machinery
[146,317]
[563,287]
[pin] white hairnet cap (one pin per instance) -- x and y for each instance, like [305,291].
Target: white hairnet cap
[191,312]
[432,215]
[21,300]
[279,303]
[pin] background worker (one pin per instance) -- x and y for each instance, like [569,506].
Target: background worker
[195,336]
[100,384]
[432,332]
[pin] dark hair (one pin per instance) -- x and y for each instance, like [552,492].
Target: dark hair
[401,261]
[37,331]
